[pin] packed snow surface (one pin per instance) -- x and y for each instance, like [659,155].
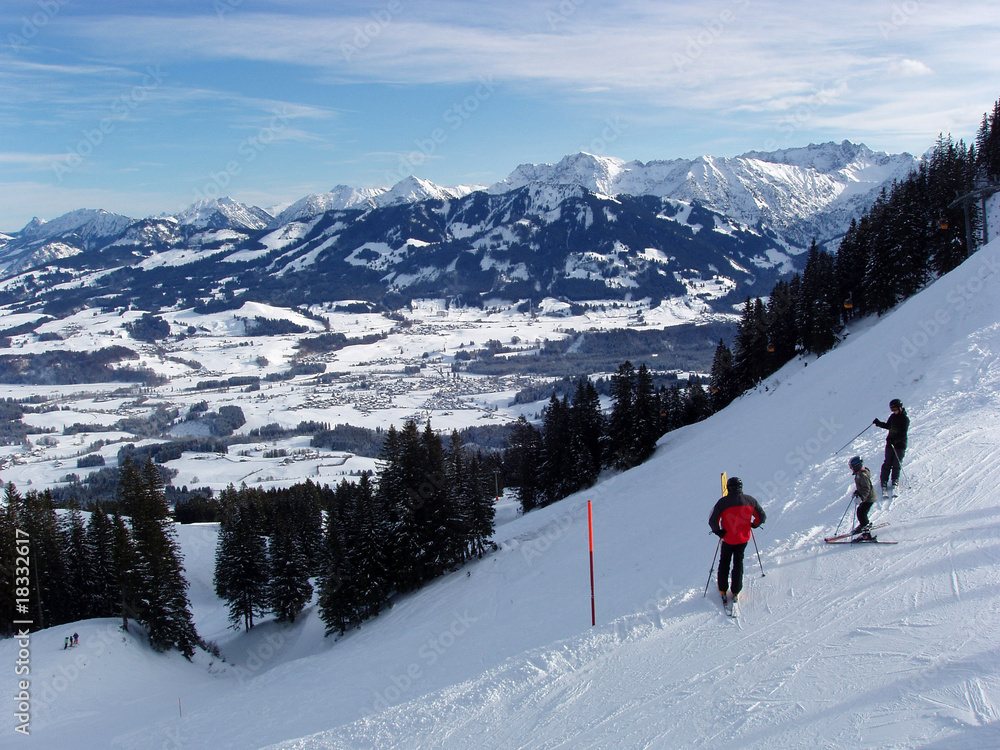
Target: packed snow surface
[838,646]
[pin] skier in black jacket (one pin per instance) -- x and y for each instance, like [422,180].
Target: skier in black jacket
[895,443]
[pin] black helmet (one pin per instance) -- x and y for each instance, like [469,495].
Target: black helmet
[734,484]
[895,404]
[855,463]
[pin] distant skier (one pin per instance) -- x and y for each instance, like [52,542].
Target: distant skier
[732,519]
[895,444]
[65,643]
[864,496]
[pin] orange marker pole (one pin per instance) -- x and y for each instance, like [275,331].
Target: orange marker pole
[590,525]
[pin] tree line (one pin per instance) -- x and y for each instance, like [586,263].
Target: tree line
[428,510]
[126,564]
[577,440]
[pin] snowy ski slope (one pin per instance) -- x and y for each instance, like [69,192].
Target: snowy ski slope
[837,646]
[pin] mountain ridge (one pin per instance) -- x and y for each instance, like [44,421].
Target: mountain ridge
[603,175]
[586,228]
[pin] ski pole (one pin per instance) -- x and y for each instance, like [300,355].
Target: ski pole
[845,513]
[758,554]
[854,438]
[712,569]
[899,461]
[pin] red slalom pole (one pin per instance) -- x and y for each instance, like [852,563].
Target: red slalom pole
[590,525]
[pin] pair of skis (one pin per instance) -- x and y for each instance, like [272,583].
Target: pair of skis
[854,537]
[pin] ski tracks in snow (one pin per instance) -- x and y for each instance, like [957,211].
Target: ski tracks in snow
[812,663]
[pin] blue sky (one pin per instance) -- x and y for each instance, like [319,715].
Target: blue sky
[144,108]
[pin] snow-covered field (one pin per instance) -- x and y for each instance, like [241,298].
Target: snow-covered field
[405,375]
[870,646]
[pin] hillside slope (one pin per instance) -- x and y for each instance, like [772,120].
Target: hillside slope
[838,646]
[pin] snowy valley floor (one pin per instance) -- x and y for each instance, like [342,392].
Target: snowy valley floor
[863,646]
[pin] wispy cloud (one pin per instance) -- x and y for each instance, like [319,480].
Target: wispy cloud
[733,54]
[13,159]
[49,202]
[357,83]
[907,68]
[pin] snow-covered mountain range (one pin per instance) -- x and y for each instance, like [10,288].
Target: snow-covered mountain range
[800,193]
[223,213]
[588,227]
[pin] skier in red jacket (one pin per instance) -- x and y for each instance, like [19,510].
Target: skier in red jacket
[732,520]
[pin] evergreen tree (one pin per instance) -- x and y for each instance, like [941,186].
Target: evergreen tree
[988,145]
[619,452]
[950,172]
[104,586]
[849,268]
[696,403]
[367,551]
[9,584]
[556,482]
[820,293]
[722,379]
[79,574]
[403,482]
[750,346]
[49,589]
[241,573]
[878,287]
[483,511]
[587,432]
[523,458]
[125,561]
[289,590]
[164,608]
[340,585]
[306,511]
[463,488]
[672,407]
[779,319]
[647,415]
[439,514]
